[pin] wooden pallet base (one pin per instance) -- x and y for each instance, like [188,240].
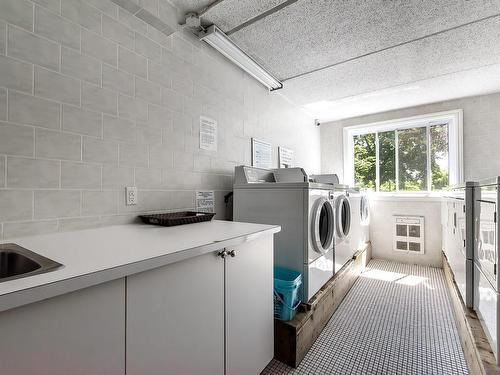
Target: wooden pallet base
[293,339]
[477,350]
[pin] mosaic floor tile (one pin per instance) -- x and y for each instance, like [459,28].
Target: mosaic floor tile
[397,319]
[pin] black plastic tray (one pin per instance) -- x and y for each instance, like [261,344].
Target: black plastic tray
[177,218]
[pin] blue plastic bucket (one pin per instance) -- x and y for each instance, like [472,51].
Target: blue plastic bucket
[286,293]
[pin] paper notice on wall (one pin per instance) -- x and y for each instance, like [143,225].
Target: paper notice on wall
[286,157]
[261,154]
[205,201]
[208,134]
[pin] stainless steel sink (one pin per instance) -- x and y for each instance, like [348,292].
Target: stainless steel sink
[17,262]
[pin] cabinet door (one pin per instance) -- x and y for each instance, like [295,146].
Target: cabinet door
[175,318]
[249,307]
[79,333]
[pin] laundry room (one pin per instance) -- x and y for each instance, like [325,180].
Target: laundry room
[248,187]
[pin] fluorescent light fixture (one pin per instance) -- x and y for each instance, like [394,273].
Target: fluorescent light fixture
[221,42]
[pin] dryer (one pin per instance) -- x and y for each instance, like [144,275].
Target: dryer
[305,212]
[457,241]
[486,284]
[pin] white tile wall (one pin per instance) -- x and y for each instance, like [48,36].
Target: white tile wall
[481,160]
[92,99]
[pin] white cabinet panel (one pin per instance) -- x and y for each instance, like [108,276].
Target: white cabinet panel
[175,319]
[249,307]
[79,333]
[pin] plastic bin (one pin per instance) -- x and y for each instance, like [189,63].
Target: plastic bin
[286,293]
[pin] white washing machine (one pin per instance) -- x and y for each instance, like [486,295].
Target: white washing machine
[364,208]
[360,219]
[343,252]
[305,212]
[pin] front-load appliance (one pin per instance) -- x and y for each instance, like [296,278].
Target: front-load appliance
[486,282]
[456,217]
[305,212]
[343,214]
[360,219]
[364,216]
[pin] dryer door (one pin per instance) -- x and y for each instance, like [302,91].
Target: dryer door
[343,216]
[323,228]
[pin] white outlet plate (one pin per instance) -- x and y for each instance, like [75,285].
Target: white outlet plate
[130,195]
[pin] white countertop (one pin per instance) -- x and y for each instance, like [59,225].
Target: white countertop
[94,256]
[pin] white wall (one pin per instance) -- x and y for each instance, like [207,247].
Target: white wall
[94,99]
[481,160]
[381,229]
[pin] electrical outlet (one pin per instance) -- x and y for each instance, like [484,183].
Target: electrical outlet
[130,195]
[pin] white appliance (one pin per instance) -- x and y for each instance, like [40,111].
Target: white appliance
[343,214]
[364,208]
[360,219]
[305,210]
[486,283]
[456,218]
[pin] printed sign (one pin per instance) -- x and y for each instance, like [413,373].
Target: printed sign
[205,201]
[208,134]
[285,157]
[261,154]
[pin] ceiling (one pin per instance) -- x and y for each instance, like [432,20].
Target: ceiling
[345,58]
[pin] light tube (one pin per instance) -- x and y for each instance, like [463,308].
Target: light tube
[221,42]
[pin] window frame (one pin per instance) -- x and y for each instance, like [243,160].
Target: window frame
[454,119]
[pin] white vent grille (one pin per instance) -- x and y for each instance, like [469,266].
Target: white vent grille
[409,234]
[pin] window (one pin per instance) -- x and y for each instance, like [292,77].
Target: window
[415,155]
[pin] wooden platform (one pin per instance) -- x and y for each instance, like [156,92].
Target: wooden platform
[293,339]
[477,350]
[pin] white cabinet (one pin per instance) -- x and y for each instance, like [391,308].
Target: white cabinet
[206,315]
[79,333]
[249,307]
[175,318]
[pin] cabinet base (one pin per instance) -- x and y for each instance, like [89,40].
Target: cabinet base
[293,339]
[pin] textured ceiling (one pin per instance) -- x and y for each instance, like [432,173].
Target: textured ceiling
[339,58]
[229,14]
[186,6]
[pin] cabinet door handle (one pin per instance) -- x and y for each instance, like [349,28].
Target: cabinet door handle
[232,253]
[222,254]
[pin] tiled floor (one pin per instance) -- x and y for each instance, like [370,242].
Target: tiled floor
[397,319]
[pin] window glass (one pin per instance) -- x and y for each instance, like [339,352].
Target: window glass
[387,161]
[439,157]
[365,161]
[412,153]
[415,159]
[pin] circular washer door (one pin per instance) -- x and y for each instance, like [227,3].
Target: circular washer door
[364,210]
[343,211]
[323,228]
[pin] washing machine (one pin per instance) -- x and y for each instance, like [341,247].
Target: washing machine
[343,214]
[306,213]
[364,214]
[360,219]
